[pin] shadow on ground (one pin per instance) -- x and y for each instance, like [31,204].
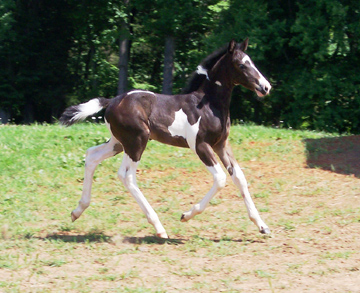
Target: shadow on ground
[151,240]
[336,154]
[156,240]
[78,238]
[100,237]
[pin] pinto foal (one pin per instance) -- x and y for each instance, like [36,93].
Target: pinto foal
[199,119]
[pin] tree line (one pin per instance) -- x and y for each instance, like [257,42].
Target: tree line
[57,53]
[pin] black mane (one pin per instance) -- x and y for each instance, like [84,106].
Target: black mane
[195,79]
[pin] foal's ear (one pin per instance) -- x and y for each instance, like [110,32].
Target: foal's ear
[232,46]
[244,45]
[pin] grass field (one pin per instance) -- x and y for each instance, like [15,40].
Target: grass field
[312,207]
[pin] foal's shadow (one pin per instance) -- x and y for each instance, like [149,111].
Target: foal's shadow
[100,237]
[79,238]
[152,240]
[178,241]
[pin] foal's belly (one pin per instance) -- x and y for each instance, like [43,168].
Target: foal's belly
[167,138]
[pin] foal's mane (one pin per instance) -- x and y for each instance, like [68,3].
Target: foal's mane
[195,79]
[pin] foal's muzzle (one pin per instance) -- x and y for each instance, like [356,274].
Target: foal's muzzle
[263,88]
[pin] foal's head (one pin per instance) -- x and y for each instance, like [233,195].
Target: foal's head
[244,71]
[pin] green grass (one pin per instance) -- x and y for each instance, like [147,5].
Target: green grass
[41,174]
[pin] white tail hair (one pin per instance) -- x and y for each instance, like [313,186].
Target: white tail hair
[80,112]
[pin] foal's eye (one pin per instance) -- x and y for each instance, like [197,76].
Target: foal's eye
[242,66]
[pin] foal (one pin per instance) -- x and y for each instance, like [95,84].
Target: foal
[199,119]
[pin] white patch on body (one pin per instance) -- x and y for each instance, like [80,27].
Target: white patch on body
[218,83]
[140,91]
[86,109]
[182,127]
[202,70]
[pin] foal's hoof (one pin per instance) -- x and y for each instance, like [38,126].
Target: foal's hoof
[73,217]
[265,231]
[182,219]
[162,235]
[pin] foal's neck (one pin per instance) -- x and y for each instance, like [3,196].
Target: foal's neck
[218,87]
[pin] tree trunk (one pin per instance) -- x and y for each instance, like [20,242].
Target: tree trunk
[124,54]
[29,113]
[168,65]
[4,116]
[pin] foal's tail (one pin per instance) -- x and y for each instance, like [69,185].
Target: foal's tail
[78,113]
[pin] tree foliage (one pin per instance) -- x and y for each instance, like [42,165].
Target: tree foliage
[34,58]
[53,54]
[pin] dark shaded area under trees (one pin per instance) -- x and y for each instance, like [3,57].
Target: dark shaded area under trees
[57,53]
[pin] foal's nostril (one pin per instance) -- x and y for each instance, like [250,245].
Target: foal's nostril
[266,88]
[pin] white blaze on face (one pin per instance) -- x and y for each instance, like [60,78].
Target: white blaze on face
[182,127]
[262,80]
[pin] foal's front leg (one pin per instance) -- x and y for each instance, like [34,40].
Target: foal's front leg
[207,155]
[94,156]
[226,156]
[127,174]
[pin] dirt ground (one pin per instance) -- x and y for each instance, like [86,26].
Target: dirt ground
[314,215]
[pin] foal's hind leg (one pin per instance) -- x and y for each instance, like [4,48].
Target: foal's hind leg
[226,156]
[94,156]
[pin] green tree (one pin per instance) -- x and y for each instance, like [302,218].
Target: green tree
[175,33]
[93,54]
[326,34]
[8,94]
[34,59]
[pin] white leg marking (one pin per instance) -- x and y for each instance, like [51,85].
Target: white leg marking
[140,91]
[94,156]
[182,127]
[219,182]
[239,180]
[127,174]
